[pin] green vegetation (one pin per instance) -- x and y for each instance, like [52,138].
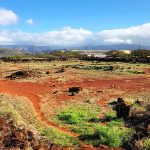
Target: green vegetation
[136,72]
[112,136]
[82,118]
[140,53]
[43,56]
[110,114]
[66,54]
[134,54]
[143,144]
[77,117]
[118,54]
[89,67]
[146,144]
[113,67]
[59,138]
[23,113]
[113,55]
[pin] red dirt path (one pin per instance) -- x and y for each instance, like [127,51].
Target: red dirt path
[33,91]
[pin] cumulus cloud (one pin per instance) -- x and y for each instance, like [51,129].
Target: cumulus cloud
[65,37]
[135,34]
[7,17]
[30,21]
[68,36]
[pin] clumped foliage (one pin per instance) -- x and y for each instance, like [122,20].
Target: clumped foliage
[74,115]
[77,117]
[71,118]
[112,136]
[146,144]
[66,54]
[143,144]
[84,121]
[89,67]
[140,53]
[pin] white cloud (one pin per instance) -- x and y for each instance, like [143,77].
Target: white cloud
[135,34]
[65,37]
[7,17]
[30,21]
[77,37]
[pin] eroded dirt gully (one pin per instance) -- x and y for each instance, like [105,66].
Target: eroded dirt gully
[33,91]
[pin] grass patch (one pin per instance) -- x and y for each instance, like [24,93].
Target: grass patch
[110,114]
[146,144]
[59,138]
[113,136]
[22,112]
[77,115]
[143,144]
[136,72]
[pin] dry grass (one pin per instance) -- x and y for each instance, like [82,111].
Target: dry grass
[22,111]
[8,68]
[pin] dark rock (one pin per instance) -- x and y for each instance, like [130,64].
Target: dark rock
[122,109]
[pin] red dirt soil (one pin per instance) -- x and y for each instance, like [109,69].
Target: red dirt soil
[33,91]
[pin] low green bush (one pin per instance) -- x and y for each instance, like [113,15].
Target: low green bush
[112,136]
[146,144]
[69,118]
[78,113]
[136,72]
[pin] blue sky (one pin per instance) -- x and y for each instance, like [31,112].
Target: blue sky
[89,18]
[94,15]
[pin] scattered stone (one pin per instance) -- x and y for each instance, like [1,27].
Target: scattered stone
[74,90]
[47,72]
[122,109]
[55,92]
[86,147]
[99,91]
[60,70]
[53,85]
[104,147]
[13,137]
[90,101]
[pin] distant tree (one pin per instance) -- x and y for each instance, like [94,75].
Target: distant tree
[118,54]
[140,53]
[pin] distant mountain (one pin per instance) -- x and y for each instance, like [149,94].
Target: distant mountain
[31,48]
[115,47]
[36,49]
[9,52]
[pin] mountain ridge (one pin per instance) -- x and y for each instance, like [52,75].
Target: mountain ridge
[35,48]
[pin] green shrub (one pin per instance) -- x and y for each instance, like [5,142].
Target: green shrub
[69,118]
[136,72]
[118,122]
[59,138]
[110,115]
[146,144]
[78,113]
[112,136]
[108,68]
